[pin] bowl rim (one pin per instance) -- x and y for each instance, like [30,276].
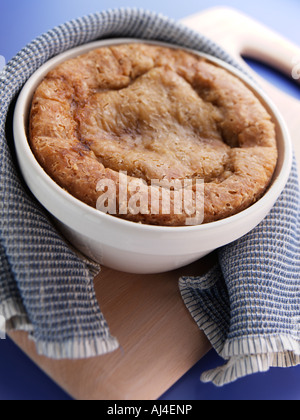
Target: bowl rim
[21,141]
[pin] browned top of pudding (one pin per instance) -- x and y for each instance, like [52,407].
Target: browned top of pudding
[155,113]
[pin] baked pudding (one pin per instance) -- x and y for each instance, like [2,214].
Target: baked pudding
[130,128]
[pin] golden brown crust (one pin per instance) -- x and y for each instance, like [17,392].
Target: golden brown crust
[158,114]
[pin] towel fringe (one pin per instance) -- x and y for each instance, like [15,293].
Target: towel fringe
[15,316]
[238,367]
[77,348]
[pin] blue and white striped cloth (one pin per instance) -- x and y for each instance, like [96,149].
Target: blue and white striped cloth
[248,305]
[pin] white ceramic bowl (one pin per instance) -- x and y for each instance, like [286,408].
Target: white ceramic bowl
[128,246]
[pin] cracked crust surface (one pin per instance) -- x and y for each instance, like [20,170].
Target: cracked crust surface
[158,114]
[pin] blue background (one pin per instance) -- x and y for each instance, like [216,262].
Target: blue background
[20,22]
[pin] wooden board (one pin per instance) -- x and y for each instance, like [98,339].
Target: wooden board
[159,340]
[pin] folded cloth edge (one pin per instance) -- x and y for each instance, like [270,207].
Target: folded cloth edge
[240,366]
[80,348]
[17,320]
[246,356]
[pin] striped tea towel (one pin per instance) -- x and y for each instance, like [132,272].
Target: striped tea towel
[46,288]
[249,304]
